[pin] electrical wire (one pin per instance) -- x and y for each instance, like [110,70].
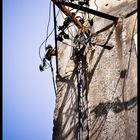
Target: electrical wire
[48,22]
[67,28]
[53,77]
[67,44]
[96,7]
[46,38]
[43,43]
[94,15]
[55,36]
[49,65]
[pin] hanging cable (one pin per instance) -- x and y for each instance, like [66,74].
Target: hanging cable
[53,77]
[67,28]
[80,60]
[48,22]
[46,38]
[49,52]
[43,43]
[55,36]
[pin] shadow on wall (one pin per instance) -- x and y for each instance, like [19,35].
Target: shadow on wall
[70,114]
[100,112]
[69,104]
[60,125]
[116,106]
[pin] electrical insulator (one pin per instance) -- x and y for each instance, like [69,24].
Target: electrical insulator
[59,38]
[91,22]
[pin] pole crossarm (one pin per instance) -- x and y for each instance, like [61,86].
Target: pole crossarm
[91,11]
[67,12]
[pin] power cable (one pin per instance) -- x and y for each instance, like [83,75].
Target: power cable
[46,38]
[55,37]
[48,22]
[53,77]
[43,43]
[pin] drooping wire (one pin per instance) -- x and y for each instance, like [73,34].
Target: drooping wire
[67,44]
[67,28]
[48,22]
[47,36]
[45,41]
[55,36]
[70,30]
[53,77]
[96,7]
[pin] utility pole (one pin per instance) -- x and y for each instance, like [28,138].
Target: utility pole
[80,59]
[100,109]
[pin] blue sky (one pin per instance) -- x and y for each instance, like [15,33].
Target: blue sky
[28,94]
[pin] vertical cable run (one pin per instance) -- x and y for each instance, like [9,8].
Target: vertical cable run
[80,85]
[55,35]
[82,126]
[80,91]
[53,77]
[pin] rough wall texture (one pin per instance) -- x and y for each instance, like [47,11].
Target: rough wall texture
[110,79]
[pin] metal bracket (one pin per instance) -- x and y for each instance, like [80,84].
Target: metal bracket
[91,11]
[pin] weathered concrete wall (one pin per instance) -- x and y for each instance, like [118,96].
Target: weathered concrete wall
[110,79]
